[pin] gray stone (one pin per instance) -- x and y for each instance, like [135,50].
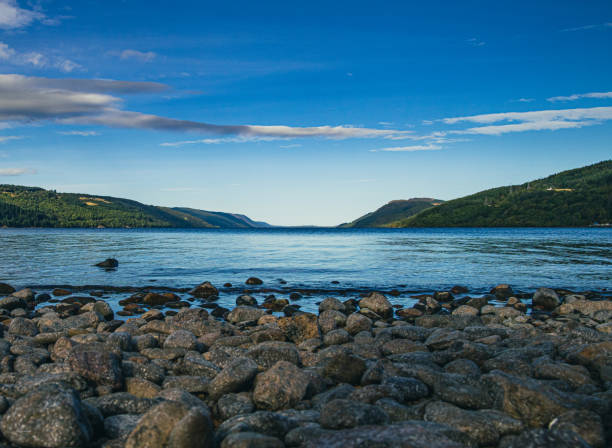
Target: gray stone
[280,387]
[236,376]
[339,414]
[377,303]
[50,416]
[172,424]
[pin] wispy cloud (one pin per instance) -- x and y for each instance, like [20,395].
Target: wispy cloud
[12,16]
[598,26]
[524,100]
[179,189]
[292,145]
[532,121]
[140,56]
[88,102]
[428,147]
[80,133]
[475,42]
[37,60]
[7,138]
[579,96]
[16,171]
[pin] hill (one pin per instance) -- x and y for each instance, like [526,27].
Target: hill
[578,197]
[393,211]
[35,207]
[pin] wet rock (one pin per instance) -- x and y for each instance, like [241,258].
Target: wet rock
[141,388]
[544,438]
[122,403]
[502,291]
[238,375]
[339,414]
[154,299]
[330,304]
[120,426]
[230,405]
[533,402]
[181,339]
[546,298]
[410,434]
[473,424]
[280,387]
[337,337]
[204,291]
[586,424]
[331,320]
[378,303]
[266,354]
[357,322]
[254,281]
[172,424]
[344,368]
[100,366]
[22,327]
[11,302]
[244,314]
[251,440]
[50,416]
[246,300]
[5,288]
[272,424]
[300,327]
[109,263]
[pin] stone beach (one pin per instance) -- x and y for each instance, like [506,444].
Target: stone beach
[173,369]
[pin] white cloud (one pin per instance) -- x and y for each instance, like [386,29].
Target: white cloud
[136,55]
[427,147]
[12,16]
[6,138]
[80,133]
[525,100]
[293,145]
[578,96]
[16,171]
[532,121]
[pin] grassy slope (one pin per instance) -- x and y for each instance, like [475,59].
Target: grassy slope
[531,204]
[393,211]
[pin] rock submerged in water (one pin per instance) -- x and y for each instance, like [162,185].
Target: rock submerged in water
[254,281]
[5,288]
[449,374]
[109,263]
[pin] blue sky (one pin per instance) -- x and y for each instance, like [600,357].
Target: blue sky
[300,112]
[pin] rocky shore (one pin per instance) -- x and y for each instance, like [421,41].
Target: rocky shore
[184,372]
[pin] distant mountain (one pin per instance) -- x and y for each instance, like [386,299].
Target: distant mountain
[393,211]
[36,207]
[579,197]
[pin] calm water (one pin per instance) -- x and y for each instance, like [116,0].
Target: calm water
[407,260]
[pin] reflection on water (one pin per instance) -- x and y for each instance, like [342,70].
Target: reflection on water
[422,259]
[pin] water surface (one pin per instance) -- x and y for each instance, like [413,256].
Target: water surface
[409,260]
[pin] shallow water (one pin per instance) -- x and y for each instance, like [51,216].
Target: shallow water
[409,260]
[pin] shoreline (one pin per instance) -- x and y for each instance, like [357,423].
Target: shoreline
[494,370]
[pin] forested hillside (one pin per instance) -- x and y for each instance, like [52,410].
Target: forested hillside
[578,197]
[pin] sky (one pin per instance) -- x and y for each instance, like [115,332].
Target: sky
[300,113]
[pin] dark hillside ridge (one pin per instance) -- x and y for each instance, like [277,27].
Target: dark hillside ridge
[393,211]
[36,207]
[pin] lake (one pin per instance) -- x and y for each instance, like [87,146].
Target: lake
[408,260]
